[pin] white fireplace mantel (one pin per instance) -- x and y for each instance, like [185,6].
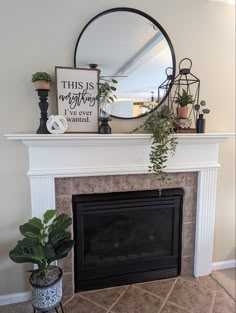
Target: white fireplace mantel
[75,155]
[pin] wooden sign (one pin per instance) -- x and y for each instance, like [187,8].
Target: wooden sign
[77,89]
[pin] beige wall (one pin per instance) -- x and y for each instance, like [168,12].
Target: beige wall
[38,35]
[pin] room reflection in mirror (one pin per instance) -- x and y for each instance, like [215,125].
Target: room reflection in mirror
[134,50]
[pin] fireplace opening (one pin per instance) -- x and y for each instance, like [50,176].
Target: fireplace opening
[126,237]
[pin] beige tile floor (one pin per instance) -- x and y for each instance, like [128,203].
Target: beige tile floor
[227,279]
[177,295]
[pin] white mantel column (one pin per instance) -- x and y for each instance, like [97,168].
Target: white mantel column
[42,194]
[205,221]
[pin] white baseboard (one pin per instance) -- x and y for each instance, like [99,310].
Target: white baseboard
[15,297]
[223,265]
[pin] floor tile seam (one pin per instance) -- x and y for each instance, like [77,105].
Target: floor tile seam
[117,300]
[213,303]
[199,284]
[149,292]
[93,302]
[179,306]
[71,298]
[168,295]
[223,288]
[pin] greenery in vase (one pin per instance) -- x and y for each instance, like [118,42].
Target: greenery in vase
[161,124]
[106,92]
[184,99]
[45,241]
[200,110]
[41,76]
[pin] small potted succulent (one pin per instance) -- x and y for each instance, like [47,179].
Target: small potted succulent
[45,241]
[201,110]
[42,80]
[183,100]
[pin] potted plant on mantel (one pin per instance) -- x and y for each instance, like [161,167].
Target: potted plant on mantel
[105,96]
[183,100]
[45,241]
[42,80]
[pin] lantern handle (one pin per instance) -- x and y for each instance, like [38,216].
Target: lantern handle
[168,68]
[185,60]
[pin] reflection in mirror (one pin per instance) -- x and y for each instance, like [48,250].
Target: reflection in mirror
[131,47]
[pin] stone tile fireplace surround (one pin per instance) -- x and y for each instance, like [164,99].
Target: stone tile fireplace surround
[66,187]
[62,165]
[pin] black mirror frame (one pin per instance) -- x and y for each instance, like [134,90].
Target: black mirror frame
[127,9]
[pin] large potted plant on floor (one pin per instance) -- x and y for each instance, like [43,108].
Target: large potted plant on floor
[44,242]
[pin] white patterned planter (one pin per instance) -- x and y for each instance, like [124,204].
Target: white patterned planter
[47,298]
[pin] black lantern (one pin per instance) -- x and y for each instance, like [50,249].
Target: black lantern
[185,94]
[164,87]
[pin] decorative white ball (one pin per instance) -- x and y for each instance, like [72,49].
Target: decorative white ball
[56,124]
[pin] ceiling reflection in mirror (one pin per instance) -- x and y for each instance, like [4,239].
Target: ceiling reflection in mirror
[131,49]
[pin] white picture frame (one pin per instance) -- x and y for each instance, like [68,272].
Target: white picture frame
[77,90]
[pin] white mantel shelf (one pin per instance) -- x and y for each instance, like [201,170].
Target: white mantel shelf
[94,154]
[90,139]
[76,155]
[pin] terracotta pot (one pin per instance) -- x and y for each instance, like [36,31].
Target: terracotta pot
[182,112]
[40,84]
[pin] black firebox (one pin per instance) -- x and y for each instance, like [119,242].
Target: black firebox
[126,237]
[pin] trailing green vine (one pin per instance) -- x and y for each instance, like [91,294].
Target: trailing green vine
[160,124]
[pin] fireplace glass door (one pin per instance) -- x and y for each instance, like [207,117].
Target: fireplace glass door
[126,237]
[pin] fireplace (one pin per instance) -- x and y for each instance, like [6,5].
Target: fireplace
[116,161]
[128,237]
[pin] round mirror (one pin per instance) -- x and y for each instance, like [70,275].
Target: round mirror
[133,48]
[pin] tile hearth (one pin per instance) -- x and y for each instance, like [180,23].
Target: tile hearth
[177,295]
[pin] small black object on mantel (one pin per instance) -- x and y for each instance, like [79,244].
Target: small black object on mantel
[200,125]
[43,105]
[104,127]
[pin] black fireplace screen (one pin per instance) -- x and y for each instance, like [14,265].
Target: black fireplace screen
[126,237]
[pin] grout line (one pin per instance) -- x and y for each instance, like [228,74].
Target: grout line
[222,287]
[121,295]
[164,303]
[180,307]
[93,302]
[148,292]
[71,298]
[213,302]
[196,283]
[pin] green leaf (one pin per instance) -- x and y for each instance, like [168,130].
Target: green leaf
[55,238]
[203,103]
[197,107]
[25,252]
[29,230]
[62,250]
[114,81]
[112,99]
[61,222]
[36,222]
[48,215]
[206,111]
[113,88]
